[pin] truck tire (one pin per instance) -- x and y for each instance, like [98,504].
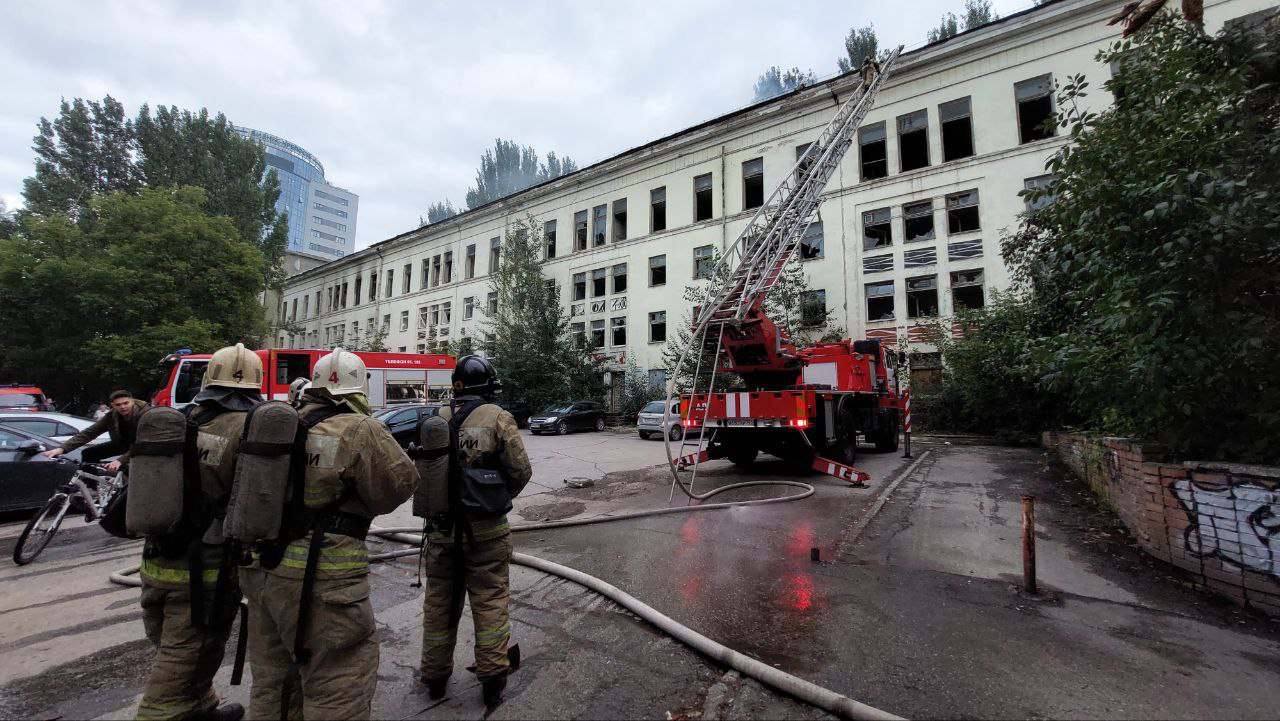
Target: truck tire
[742,457]
[887,437]
[845,446]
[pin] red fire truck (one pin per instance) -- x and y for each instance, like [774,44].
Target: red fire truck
[393,377]
[807,404]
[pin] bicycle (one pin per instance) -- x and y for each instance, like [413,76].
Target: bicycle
[93,490]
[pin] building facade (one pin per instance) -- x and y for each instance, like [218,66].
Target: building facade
[909,227]
[322,216]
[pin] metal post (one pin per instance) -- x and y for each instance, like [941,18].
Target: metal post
[906,422]
[1029,544]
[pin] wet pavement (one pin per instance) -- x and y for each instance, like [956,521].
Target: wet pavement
[913,610]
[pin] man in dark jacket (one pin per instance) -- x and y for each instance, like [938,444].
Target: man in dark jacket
[121,424]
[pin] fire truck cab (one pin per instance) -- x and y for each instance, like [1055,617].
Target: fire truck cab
[394,378]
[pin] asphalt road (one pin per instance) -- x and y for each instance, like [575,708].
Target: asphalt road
[912,610]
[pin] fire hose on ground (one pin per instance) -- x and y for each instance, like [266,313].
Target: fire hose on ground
[794,686]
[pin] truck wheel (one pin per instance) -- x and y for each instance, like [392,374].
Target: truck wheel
[887,438]
[845,446]
[743,457]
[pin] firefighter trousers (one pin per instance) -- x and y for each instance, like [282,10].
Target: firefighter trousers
[187,656]
[487,586]
[339,680]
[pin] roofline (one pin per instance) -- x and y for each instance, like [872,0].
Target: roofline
[829,84]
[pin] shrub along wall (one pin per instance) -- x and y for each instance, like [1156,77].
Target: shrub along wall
[1220,522]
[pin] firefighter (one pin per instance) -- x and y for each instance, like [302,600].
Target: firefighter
[469,553]
[190,624]
[121,423]
[355,470]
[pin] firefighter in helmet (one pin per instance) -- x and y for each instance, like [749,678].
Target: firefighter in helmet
[189,589]
[355,471]
[471,554]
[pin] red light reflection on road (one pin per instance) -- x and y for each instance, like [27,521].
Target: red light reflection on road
[799,591]
[691,560]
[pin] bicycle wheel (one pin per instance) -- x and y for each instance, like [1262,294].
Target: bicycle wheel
[40,529]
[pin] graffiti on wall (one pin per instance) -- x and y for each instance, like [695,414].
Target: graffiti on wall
[1237,523]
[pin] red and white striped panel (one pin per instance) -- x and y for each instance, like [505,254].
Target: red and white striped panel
[886,336]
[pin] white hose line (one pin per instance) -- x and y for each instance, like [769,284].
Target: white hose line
[127,576]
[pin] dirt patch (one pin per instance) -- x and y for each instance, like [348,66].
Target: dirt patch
[557,511]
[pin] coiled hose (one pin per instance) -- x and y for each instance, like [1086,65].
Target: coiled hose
[794,686]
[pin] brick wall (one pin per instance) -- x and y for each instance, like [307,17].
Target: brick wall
[1220,522]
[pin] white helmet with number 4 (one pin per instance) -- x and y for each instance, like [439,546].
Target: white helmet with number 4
[234,367]
[341,373]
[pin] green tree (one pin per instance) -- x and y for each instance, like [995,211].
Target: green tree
[775,81]
[531,346]
[374,340]
[509,168]
[84,151]
[90,307]
[437,212]
[636,391]
[976,12]
[8,224]
[796,308]
[860,44]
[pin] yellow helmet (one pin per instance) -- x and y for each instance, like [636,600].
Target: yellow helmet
[341,373]
[234,367]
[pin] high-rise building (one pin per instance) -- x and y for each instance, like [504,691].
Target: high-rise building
[322,217]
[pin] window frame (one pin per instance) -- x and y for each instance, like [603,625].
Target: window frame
[698,216]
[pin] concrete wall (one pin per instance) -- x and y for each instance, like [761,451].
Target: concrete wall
[1219,522]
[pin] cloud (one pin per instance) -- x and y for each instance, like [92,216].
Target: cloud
[398,99]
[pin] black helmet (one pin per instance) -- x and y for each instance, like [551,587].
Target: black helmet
[475,376]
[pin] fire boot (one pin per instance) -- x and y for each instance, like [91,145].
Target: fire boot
[436,687]
[491,690]
[225,712]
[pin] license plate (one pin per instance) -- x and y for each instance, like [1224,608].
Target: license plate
[740,422]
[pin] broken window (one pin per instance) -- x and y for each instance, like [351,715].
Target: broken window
[407,281]
[356,295]
[1036,194]
[871,145]
[344,293]
[391,285]
[962,212]
[448,267]
[549,238]
[597,333]
[404,319]
[599,222]
[578,331]
[813,308]
[803,163]
[432,316]
[658,327]
[913,140]
[435,271]
[618,326]
[597,282]
[492,303]
[495,254]
[426,274]
[579,286]
[468,307]
[966,289]
[922,297]
[880,301]
[471,262]
[1035,108]
[753,184]
[658,209]
[811,241]
[702,198]
[373,288]
[580,230]
[876,229]
[703,261]
[620,278]
[917,221]
[957,129]
[446,313]
[658,270]
[619,220]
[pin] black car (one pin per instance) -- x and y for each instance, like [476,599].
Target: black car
[28,479]
[403,420]
[518,410]
[564,417]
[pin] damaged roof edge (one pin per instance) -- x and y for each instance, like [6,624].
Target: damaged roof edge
[827,85]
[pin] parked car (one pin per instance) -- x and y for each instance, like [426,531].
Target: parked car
[23,397]
[518,410]
[403,420]
[564,417]
[649,421]
[57,426]
[28,479]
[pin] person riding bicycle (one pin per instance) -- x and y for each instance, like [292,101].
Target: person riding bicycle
[121,424]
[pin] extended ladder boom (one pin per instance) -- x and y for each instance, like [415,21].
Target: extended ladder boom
[762,250]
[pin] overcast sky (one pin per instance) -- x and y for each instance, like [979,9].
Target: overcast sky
[399,99]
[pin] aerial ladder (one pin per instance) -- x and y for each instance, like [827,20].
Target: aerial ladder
[807,404]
